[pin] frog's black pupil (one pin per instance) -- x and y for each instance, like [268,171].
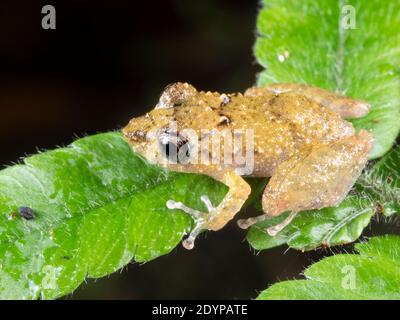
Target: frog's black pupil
[172,151]
[168,148]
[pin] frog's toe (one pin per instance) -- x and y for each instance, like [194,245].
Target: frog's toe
[246,223]
[188,243]
[207,202]
[171,204]
[199,217]
[274,230]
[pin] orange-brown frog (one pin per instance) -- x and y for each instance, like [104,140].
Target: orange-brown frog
[295,134]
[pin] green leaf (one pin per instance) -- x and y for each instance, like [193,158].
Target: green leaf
[374,273]
[381,185]
[312,229]
[361,62]
[98,206]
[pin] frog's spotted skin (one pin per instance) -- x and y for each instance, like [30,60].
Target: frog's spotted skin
[301,141]
[346,107]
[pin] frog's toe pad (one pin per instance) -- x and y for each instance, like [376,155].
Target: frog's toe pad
[188,243]
[244,223]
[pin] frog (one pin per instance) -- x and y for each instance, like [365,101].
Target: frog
[302,138]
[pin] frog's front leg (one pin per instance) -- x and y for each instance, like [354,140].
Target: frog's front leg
[314,179]
[216,217]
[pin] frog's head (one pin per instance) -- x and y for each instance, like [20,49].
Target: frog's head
[155,135]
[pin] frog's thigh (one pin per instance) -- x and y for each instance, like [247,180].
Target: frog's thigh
[320,179]
[272,206]
[346,107]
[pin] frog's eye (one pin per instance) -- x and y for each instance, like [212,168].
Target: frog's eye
[174,147]
[175,94]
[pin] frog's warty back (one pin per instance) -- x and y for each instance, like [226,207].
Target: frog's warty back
[347,107]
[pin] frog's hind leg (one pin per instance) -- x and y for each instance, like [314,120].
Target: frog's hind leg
[346,107]
[317,179]
[275,207]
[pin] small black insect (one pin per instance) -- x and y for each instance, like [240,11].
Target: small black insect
[26,213]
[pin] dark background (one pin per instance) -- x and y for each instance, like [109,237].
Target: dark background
[108,61]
